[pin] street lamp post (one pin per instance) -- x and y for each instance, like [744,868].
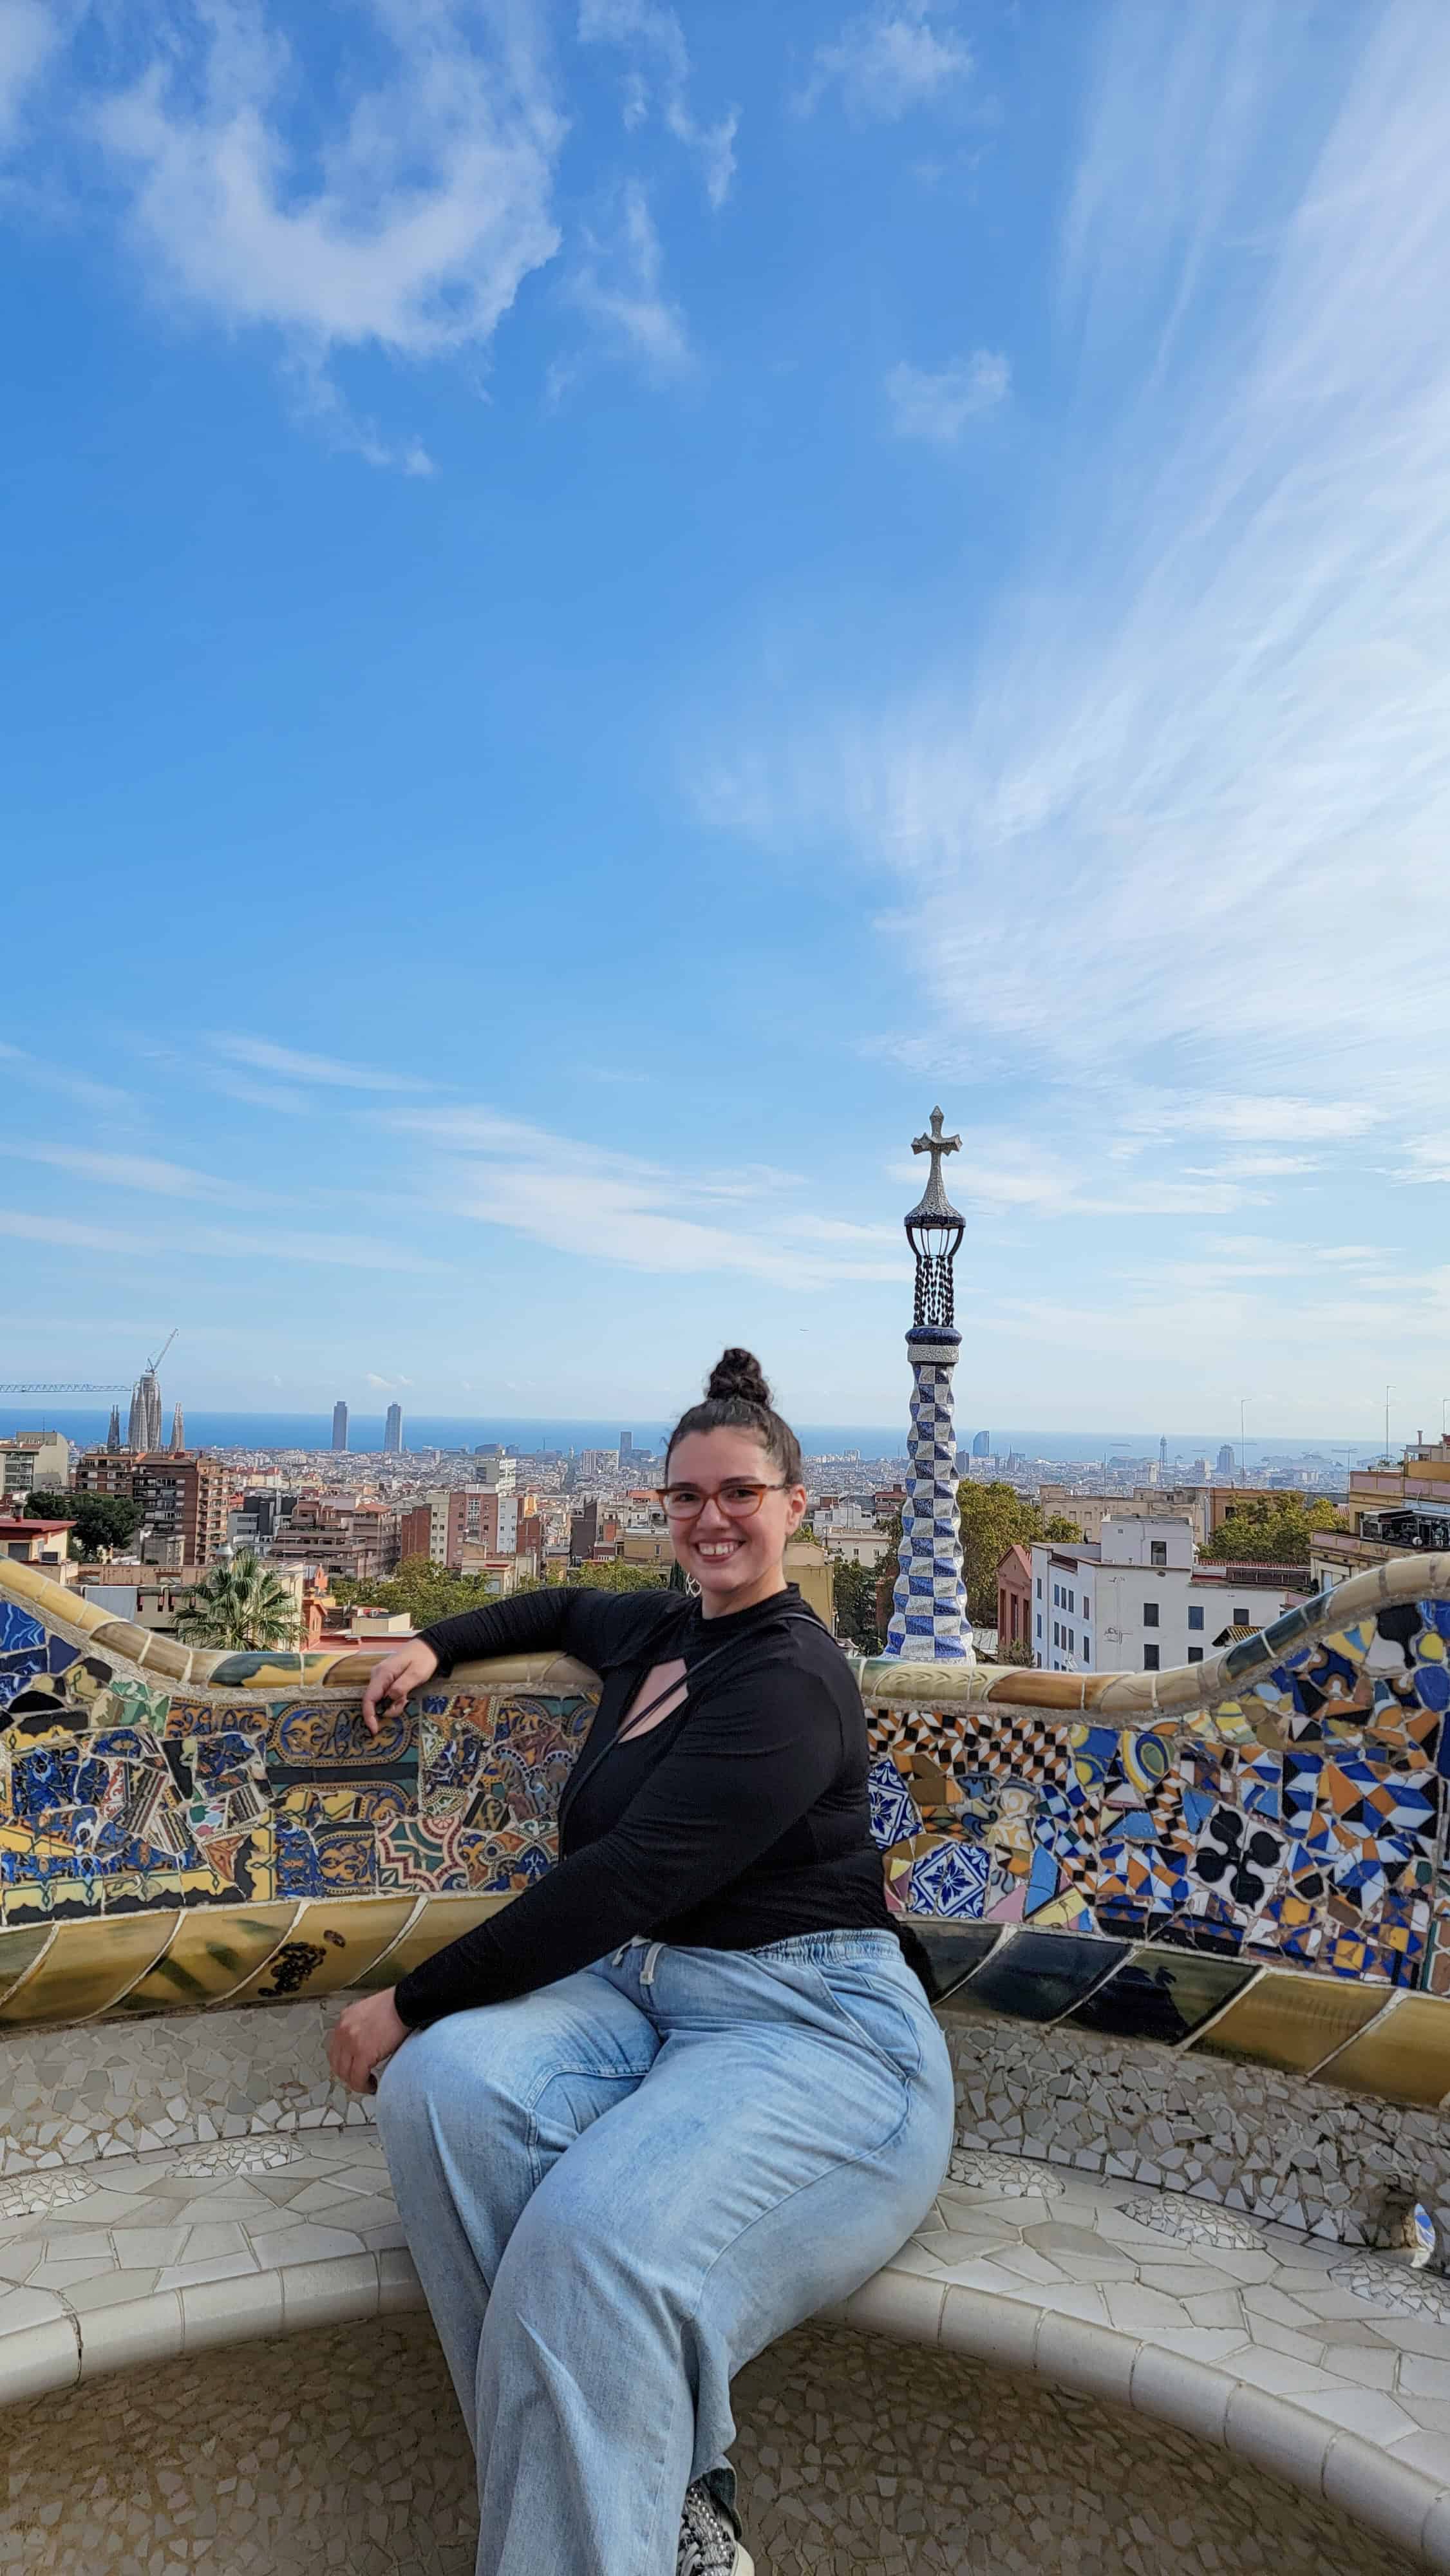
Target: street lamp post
[929,1622]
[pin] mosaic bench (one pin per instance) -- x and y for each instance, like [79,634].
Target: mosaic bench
[1331,2373]
[1189,1931]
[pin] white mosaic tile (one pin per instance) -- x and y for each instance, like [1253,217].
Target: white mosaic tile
[1192,2222]
[31,2196]
[855,2458]
[1013,2177]
[1397,2286]
[239,2156]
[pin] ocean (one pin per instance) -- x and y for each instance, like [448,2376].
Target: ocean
[222,1430]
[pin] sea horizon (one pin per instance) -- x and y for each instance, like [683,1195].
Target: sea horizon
[223,1428]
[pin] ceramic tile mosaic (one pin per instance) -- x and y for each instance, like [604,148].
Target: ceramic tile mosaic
[854,2459]
[1314,1839]
[864,2461]
[1082,2280]
[280,1849]
[928,1616]
[1255,2139]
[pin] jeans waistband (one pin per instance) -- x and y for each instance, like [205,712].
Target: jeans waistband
[821,1948]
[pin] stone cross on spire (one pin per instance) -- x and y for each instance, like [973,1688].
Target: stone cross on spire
[935,1144]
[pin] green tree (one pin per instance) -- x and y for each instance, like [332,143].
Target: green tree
[1277,1531]
[615,1574]
[856,1606]
[241,1605]
[994,1518]
[101,1520]
[420,1590]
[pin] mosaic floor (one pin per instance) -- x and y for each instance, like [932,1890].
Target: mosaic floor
[127,2259]
[853,2456]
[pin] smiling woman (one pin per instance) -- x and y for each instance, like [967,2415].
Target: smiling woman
[711,1962]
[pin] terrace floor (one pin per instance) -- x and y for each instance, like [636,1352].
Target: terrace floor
[1327,2365]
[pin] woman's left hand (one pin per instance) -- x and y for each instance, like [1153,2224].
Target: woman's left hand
[369,2031]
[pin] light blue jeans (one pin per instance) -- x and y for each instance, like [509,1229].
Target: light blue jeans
[618,2189]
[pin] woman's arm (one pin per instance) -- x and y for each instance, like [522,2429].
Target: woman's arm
[527,1623]
[741,1771]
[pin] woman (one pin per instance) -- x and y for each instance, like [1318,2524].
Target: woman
[684,2090]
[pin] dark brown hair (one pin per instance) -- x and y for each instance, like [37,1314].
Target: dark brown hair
[737,1398]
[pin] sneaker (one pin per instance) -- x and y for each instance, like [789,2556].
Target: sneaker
[708,2546]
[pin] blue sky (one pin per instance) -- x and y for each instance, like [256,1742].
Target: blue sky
[602,605]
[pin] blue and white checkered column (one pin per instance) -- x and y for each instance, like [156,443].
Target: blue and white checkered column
[929,1622]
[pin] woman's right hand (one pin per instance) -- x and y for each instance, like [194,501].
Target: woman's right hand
[395,1677]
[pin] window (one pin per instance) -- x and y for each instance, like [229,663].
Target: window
[1150,1614]
[1056,1593]
[1039,1616]
[1195,1617]
[1195,1654]
[1069,1641]
[1241,1616]
[1070,1602]
[1086,1607]
[1150,1659]
[1039,1596]
[1157,1551]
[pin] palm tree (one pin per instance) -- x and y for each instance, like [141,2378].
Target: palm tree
[239,1604]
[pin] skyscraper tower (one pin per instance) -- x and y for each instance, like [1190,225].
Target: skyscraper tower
[392,1432]
[1163,1457]
[113,1435]
[143,1430]
[339,1425]
[929,1622]
[178,1429]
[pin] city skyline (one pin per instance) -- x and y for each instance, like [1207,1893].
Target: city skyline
[885,556]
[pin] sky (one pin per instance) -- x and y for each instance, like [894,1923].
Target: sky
[604,604]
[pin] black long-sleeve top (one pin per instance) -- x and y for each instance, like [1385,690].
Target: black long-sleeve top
[743,1818]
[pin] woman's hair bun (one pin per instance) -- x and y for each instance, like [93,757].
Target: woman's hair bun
[739,1373]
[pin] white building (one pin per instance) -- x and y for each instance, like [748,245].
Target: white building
[1138,1602]
[37,1464]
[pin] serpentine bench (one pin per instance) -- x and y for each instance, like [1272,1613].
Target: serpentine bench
[1188,1931]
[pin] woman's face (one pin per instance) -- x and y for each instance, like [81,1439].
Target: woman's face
[734,1559]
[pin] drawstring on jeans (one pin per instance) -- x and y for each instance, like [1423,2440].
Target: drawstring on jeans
[651,1951]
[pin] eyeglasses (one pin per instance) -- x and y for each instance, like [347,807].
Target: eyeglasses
[739,1501]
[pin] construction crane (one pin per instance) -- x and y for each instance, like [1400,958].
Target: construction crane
[37,1386]
[87,1386]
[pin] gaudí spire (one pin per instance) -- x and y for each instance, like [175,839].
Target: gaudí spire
[929,1622]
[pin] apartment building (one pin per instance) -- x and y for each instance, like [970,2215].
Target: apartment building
[181,1495]
[35,1464]
[1137,1600]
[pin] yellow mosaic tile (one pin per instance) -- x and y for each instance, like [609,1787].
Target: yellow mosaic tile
[440,1921]
[19,1950]
[333,1943]
[1292,2021]
[1405,2056]
[216,1949]
[87,1968]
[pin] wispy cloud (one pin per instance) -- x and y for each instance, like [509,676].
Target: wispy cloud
[31,33]
[888,60]
[325,1069]
[409,228]
[618,285]
[103,1099]
[660,76]
[1184,799]
[936,404]
[345,1251]
[144,1172]
[602,1205]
